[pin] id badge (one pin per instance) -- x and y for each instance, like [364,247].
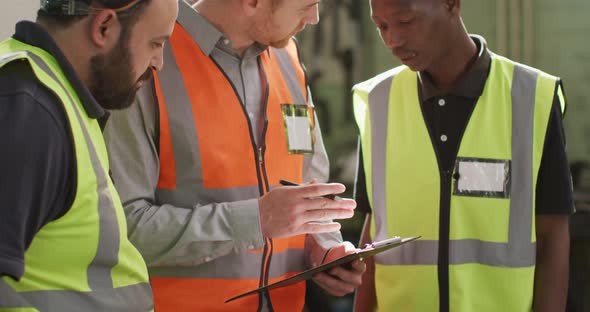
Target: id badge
[478,177]
[298,128]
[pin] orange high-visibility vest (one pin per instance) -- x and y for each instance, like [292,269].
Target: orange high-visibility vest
[223,164]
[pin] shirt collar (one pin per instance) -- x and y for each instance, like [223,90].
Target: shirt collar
[207,36]
[33,34]
[471,83]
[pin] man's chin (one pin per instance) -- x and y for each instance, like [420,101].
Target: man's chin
[118,104]
[126,104]
[280,44]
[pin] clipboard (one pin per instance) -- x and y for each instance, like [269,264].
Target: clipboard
[368,251]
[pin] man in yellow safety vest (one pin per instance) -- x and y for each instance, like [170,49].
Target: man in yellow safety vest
[465,148]
[63,235]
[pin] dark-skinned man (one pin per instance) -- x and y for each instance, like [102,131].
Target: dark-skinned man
[465,148]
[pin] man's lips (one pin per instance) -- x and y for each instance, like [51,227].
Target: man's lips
[404,56]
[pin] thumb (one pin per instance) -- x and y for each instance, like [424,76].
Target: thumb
[339,251]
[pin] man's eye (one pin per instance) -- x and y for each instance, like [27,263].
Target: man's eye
[406,21]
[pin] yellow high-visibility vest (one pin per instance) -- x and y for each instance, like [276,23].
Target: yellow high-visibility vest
[83,260]
[490,192]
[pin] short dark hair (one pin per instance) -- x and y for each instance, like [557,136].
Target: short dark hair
[127,17]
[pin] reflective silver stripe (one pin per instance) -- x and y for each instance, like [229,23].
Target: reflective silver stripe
[290,75]
[9,298]
[519,251]
[180,112]
[425,252]
[297,94]
[112,300]
[488,253]
[287,261]
[524,86]
[246,265]
[379,113]
[11,56]
[420,252]
[107,253]
[188,195]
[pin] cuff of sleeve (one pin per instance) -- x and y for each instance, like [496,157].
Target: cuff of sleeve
[247,232]
[12,267]
[317,246]
[328,240]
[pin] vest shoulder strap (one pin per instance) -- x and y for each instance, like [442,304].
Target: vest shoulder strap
[369,85]
[10,57]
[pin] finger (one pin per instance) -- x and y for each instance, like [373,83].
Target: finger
[320,189]
[351,278]
[333,285]
[359,266]
[320,279]
[327,214]
[326,203]
[315,227]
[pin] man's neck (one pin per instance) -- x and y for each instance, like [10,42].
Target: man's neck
[454,64]
[234,28]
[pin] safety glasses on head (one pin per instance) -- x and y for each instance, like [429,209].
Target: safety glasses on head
[78,7]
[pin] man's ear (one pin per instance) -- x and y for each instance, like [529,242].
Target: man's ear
[105,29]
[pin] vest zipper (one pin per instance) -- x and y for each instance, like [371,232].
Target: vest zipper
[262,188]
[444,226]
[443,240]
[264,177]
[268,243]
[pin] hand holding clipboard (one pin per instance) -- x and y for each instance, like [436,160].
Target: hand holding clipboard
[368,251]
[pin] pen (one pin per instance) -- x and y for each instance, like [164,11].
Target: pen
[393,240]
[289,183]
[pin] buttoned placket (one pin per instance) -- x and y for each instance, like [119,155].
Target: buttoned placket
[441,104]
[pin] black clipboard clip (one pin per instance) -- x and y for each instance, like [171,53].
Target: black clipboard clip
[369,250]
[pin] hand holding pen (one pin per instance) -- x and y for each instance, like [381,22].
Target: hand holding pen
[289,183]
[302,209]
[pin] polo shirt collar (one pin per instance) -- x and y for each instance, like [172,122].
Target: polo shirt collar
[470,84]
[33,34]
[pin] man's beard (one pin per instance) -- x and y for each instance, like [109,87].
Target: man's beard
[112,78]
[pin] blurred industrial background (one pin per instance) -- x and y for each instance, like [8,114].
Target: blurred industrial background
[345,48]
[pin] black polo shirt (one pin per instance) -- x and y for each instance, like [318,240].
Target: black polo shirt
[37,159]
[446,115]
